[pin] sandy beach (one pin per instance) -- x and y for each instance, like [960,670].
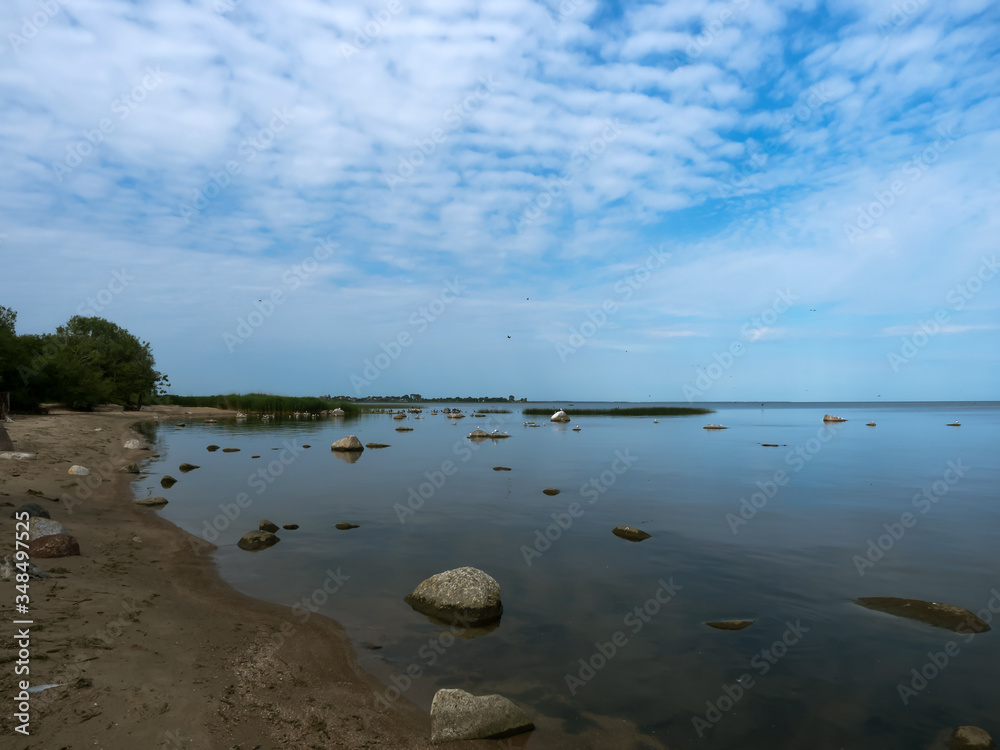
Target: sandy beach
[151,647]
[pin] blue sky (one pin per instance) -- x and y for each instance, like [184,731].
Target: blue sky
[701,201]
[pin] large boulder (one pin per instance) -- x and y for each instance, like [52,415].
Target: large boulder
[53,545]
[39,527]
[458,715]
[559,416]
[467,597]
[255,540]
[338,412]
[349,444]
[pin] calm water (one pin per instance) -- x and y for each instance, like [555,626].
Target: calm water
[831,682]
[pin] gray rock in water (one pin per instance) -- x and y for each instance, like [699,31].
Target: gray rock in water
[630,533]
[9,569]
[376,445]
[971,738]
[290,526]
[39,527]
[151,502]
[344,526]
[186,467]
[501,468]
[32,509]
[467,597]
[167,482]
[946,616]
[266,525]
[550,491]
[349,443]
[458,715]
[256,540]
[212,448]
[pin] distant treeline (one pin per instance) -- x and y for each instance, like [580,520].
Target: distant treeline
[262,403]
[86,362]
[631,411]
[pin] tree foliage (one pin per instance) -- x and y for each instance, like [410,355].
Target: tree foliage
[87,361]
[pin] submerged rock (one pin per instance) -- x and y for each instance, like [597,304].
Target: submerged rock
[376,445]
[230,450]
[458,715]
[730,624]
[550,491]
[54,545]
[212,448]
[256,540]
[290,526]
[501,468]
[167,482]
[186,467]
[348,444]
[970,738]
[464,596]
[945,616]
[630,533]
[266,525]
[404,429]
[344,526]
[151,502]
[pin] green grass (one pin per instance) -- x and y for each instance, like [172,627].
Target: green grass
[262,403]
[492,411]
[632,411]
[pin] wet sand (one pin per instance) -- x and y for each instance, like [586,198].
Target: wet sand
[156,650]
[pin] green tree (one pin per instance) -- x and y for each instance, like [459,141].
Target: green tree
[99,361]
[8,318]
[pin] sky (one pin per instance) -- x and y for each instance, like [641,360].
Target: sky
[639,201]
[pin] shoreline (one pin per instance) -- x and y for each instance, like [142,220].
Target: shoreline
[150,647]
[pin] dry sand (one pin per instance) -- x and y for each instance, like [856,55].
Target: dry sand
[157,651]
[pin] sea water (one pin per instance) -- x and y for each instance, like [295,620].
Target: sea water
[781,519]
